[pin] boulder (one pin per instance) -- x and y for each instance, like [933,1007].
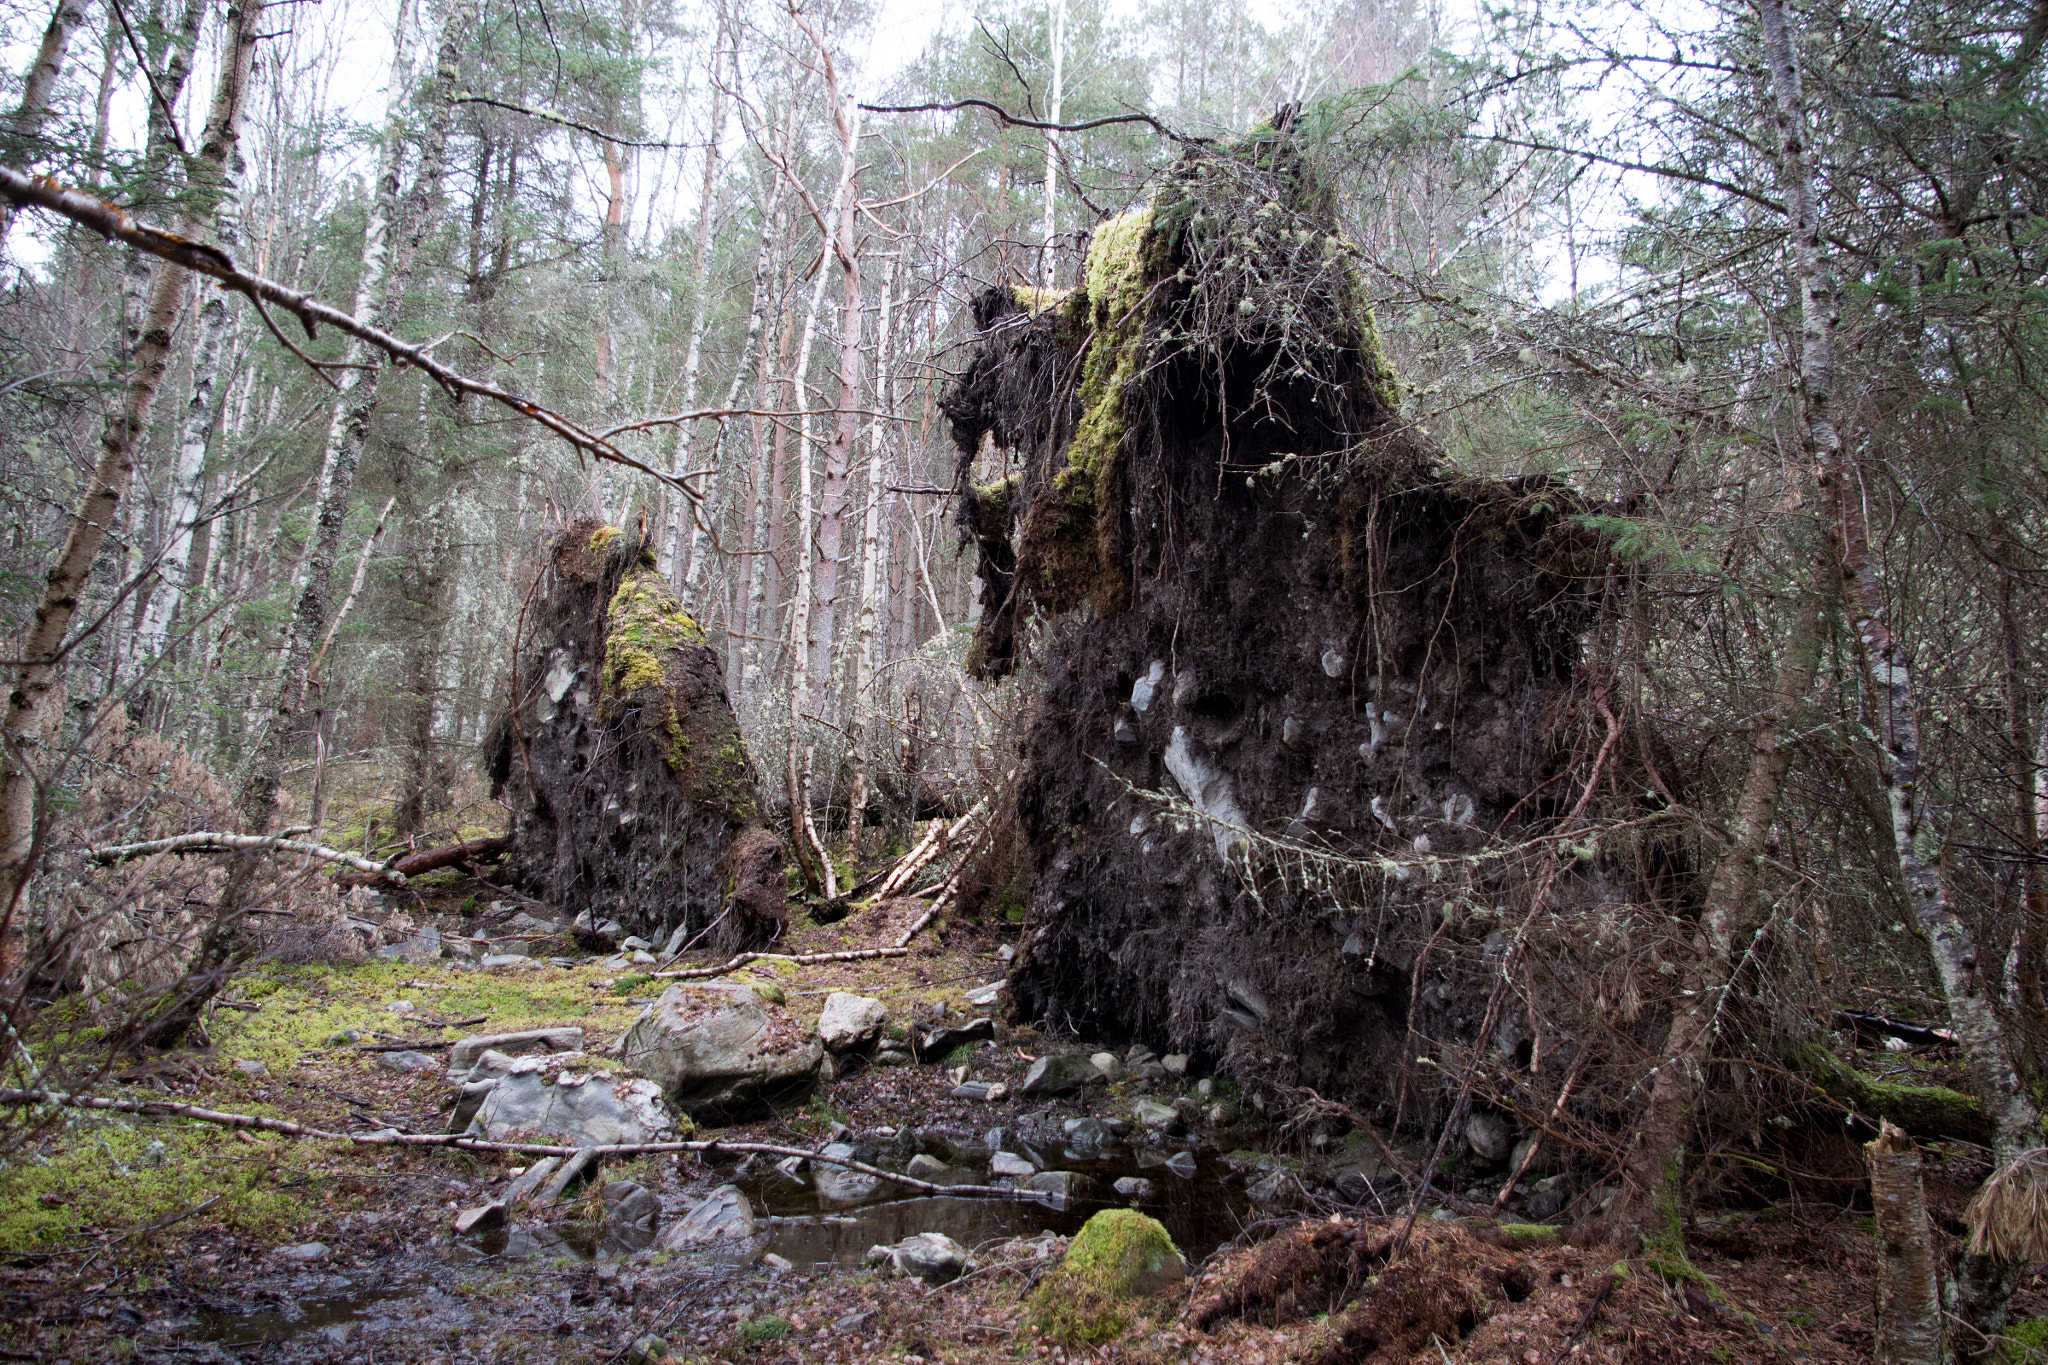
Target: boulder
[1085,1136]
[929,1256]
[720,1051]
[836,1184]
[851,1021]
[1012,1165]
[1118,1257]
[1154,1117]
[938,1044]
[466,1053]
[1060,1188]
[533,1102]
[1108,1064]
[1490,1135]
[1059,1076]
[407,1061]
[924,1167]
[480,1219]
[722,1221]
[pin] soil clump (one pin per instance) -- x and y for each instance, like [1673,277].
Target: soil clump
[633,794]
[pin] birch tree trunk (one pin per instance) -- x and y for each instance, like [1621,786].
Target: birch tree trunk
[35,701]
[858,708]
[700,517]
[1048,269]
[36,88]
[1981,1287]
[670,562]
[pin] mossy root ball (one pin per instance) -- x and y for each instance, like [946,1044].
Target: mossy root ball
[1118,1257]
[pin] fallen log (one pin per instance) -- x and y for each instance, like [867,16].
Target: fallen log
[208,842]
[430,860]
[172,1109]
[1928,1111]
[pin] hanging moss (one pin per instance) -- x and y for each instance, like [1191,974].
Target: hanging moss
[642,625]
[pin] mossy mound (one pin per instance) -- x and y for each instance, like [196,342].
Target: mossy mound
[1119,1258]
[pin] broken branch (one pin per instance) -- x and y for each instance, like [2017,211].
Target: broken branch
[851,955]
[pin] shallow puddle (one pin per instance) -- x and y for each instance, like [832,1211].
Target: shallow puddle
[1199,1210]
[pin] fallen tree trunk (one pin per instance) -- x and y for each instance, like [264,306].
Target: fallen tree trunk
[1926,1111]
[241,843]
[175,1110]
[432,860]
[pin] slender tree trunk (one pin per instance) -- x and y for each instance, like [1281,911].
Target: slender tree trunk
[36,699]
[1981,1287]
[670,563]
[845,248]
[700,517]
[36,88]
[1048,268]
[858,706]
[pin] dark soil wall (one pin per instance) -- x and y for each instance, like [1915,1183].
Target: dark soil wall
[633,795]
[1304,665]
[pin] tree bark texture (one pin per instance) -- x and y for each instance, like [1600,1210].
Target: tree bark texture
[35,94]
[1909,1323]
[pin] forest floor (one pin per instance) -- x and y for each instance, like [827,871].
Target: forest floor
[132,1238]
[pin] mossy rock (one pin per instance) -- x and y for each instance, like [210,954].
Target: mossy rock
[1117,1259]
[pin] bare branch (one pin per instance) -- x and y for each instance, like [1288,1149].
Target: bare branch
[239,843]
[1013,120]
[543,114]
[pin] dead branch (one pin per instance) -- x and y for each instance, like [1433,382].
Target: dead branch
[600,134]
[239,843]
[175,1110]
[851,955]
[114,224]
[432,860]
[937,840]
[1005,116]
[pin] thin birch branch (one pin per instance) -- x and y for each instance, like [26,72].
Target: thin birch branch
[239,843]
[286,1128]
[851,955]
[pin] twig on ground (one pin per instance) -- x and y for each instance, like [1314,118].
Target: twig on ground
[236,843]
[803,959]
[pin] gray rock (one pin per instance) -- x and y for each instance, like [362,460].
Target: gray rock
[1057,1075]
[1547,1197]
[1085,1136]
[1010,1164]
[491,1215]
[1182,1164]
[892,1056]
[1007,953]
[1275,1191]
[527,1181]
[421,948]
[1134,1187]
[304,1254]
[1176,1063]
[1205,1089]
[466,1053]
[724,1220]
[1060,1188]
[630,1212]
[720,1051]
[925,1167]
[929,1256]
[837,1185]
[249,1066]
[1490,1135]
[939,1044]
[1154,1117]
[981,997]
[407,1061]
[975,1090]
[1223,1113]
[635,944]
[589,1110]
[676,941]
[468,1102]
[506,960]
[850,1021]
[1108,1065]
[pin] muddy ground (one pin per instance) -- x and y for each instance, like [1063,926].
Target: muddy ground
[125,1238]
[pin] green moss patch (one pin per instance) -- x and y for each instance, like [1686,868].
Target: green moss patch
[1119,1258]
[643,624]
